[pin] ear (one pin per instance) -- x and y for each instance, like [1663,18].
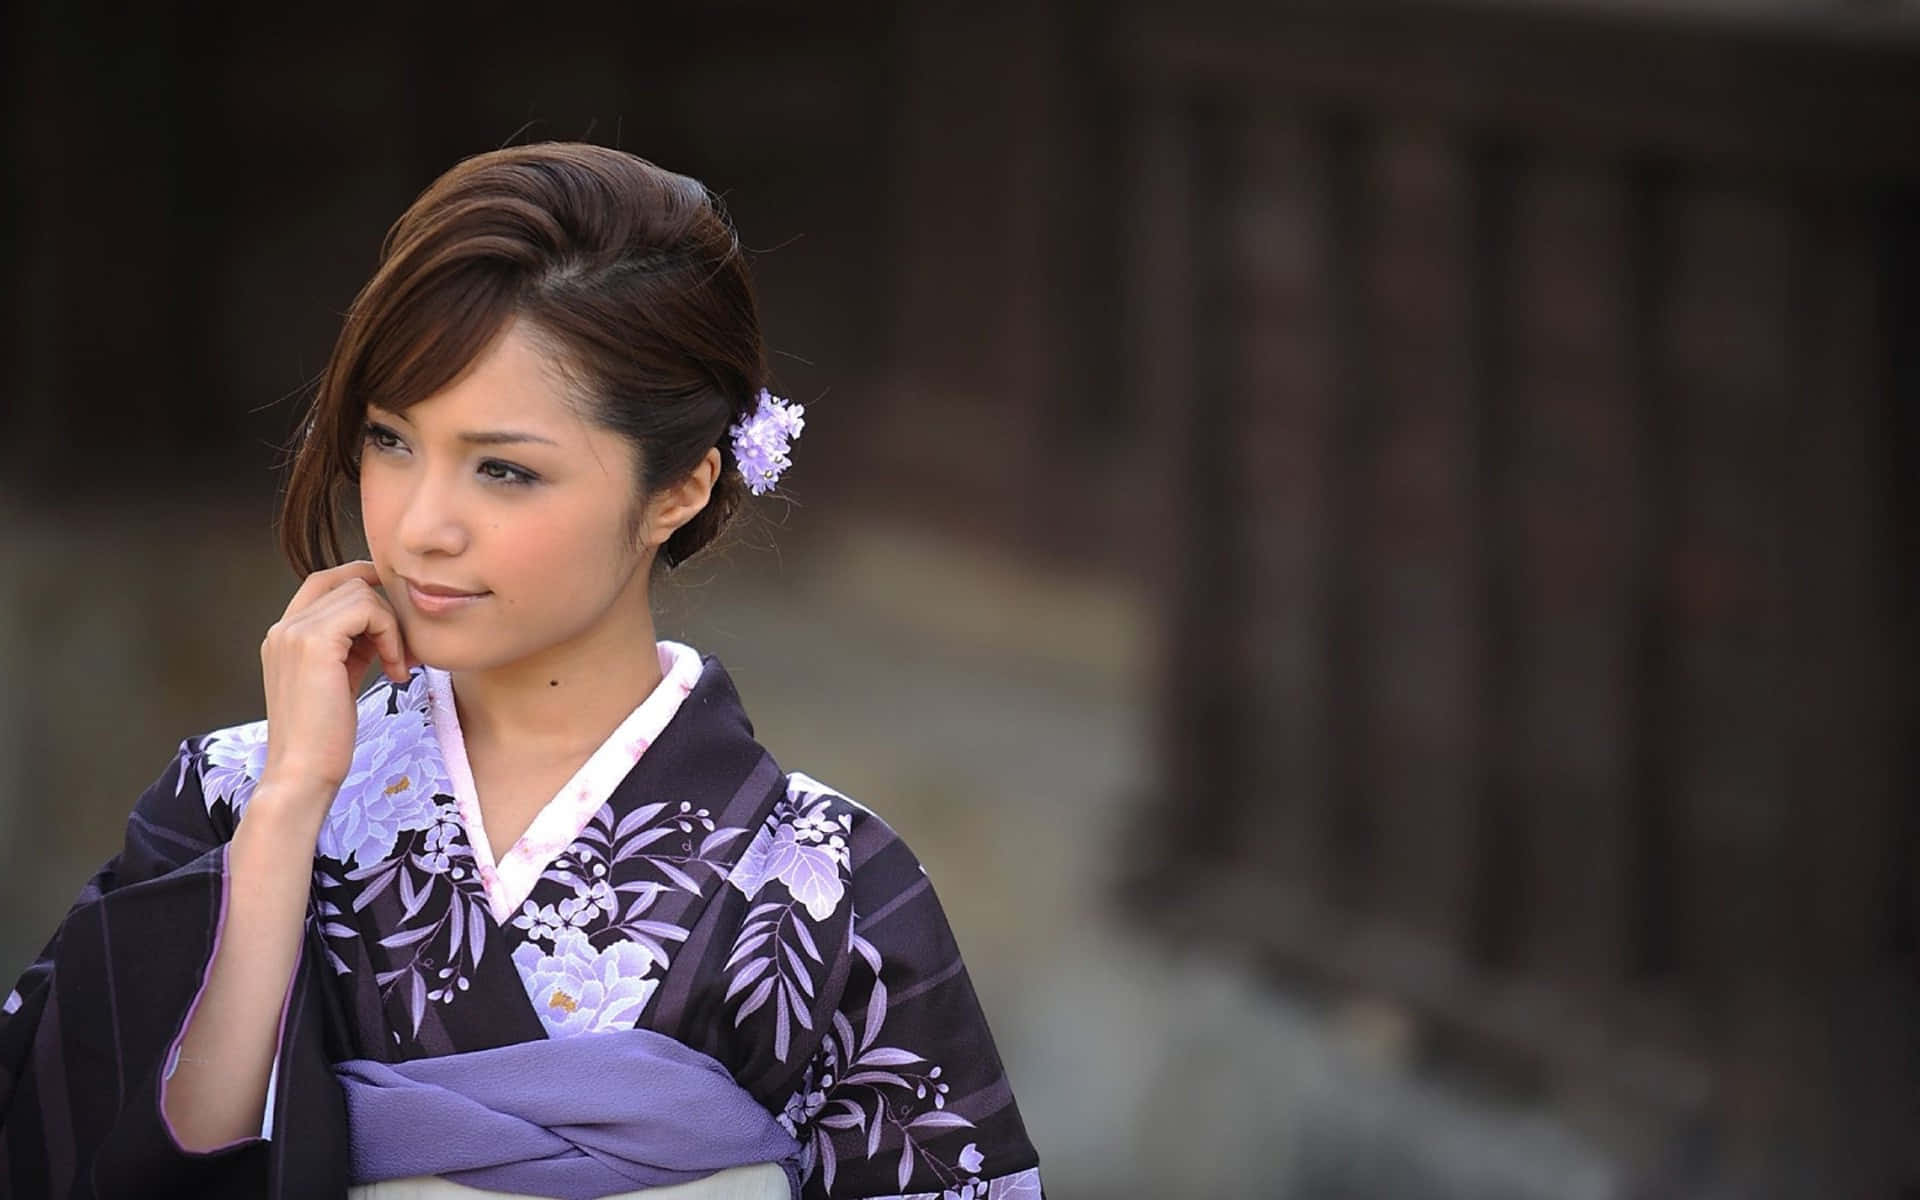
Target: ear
[671,507]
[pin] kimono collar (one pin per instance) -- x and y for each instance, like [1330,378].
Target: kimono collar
[508,879]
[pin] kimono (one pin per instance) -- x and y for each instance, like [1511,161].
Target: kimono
[682,889]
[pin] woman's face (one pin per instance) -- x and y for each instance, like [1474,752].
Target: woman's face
[497,490]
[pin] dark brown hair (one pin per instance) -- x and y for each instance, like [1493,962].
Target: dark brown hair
[630,276]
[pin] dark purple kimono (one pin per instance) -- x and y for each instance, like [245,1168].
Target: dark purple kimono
[750,914]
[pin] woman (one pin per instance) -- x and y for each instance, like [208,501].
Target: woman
[534,914]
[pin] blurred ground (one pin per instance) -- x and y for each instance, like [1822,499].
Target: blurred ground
[997,716]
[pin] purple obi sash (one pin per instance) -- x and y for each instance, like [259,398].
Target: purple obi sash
[574,1118]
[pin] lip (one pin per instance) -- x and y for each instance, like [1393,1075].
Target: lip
[433,600]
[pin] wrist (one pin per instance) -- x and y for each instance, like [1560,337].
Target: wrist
[286,808]
[288,770]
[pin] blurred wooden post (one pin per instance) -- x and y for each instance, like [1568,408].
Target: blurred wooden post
[1569,494]
[977,366]
[1843,736]
[1557,393]
[1159,326]
[1281,446]
[1419,539]
[1725,343]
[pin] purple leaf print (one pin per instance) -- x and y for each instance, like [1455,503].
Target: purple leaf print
[876,1014]
[410,896]
[644,889]
[888,1056]
[940,1120]
[809,863]
[754,1001]
[760,946]
[754,970]
[780,1029]
[801,1011]
[810,873]
[634,846]
[906,1162]
[672,933]
[406,937]
[799,968]
[747,947]
[368,870]
[635,819]
[866,951]
[374,889]
[750,872]
[806,942]
[678,876]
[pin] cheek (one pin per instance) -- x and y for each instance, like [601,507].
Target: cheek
[582,548]
[374,516]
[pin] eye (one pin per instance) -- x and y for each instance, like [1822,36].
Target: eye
[507,473]
[382,438]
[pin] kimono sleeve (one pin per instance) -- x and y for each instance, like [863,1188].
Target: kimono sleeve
[89,1027]
[906,1095]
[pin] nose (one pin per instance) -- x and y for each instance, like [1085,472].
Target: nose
[432,522]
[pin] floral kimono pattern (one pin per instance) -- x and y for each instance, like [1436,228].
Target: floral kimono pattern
[754,915]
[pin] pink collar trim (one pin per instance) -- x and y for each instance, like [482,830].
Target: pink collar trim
[510,880]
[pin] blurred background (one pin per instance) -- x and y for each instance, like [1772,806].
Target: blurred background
[1370,548]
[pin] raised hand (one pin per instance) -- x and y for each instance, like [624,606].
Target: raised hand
[311,662]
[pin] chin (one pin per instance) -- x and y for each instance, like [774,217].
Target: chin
[444,653]
[461,654]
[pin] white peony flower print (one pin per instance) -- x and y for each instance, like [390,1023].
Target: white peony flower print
[389,788]
[232,760]
[578,989]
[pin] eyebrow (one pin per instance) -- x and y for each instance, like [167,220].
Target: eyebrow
[503,437]
[477,437]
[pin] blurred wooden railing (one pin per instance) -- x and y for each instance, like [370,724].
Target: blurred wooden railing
[1535,397]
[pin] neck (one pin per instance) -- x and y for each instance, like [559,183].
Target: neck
[567,699]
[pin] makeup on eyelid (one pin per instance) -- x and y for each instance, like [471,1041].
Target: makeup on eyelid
[515,474]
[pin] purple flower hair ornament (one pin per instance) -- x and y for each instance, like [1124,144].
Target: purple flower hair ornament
[761,442]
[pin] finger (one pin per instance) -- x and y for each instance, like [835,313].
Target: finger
[361,624]
[360,652]
[346,594]
[320,583]
[382,627]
